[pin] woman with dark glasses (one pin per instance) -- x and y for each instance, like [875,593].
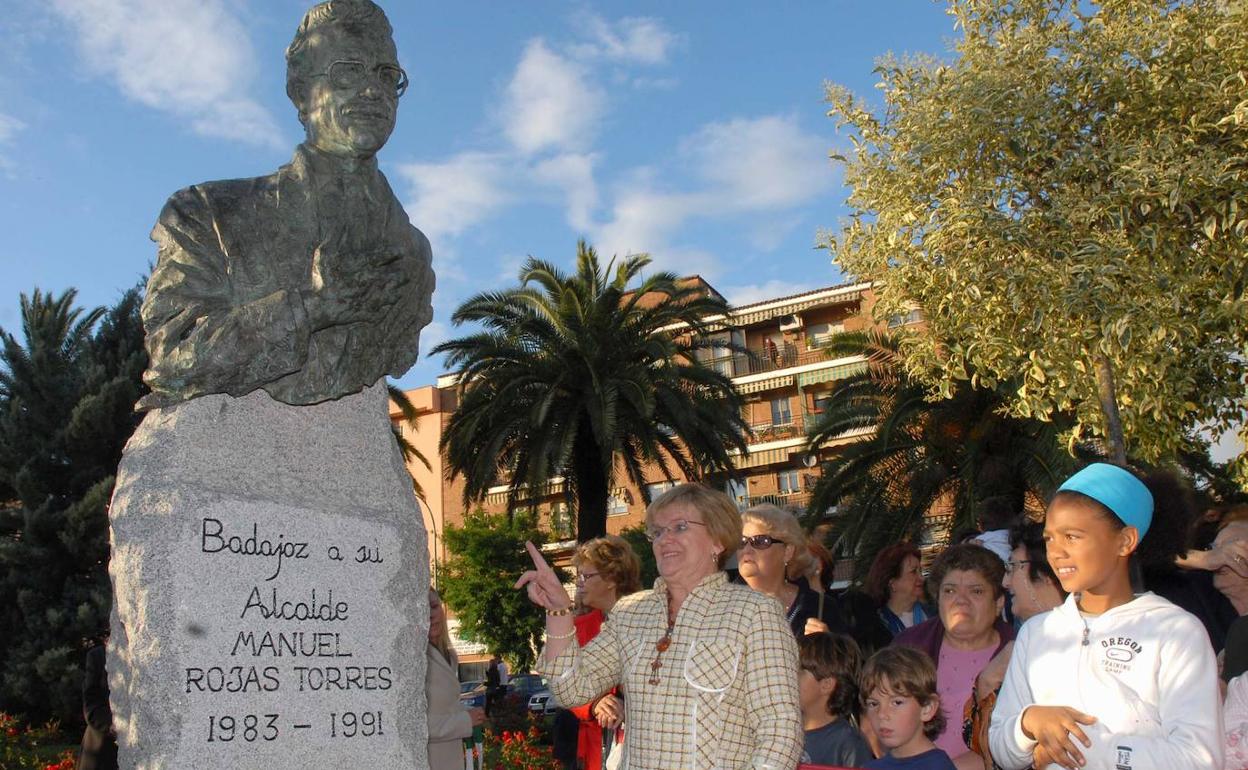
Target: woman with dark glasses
[709,668]
[773,559]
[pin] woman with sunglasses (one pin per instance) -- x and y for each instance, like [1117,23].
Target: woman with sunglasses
[709,667]
[773,559]
[606,569]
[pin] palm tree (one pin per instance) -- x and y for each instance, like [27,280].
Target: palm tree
[922,456]
[408,450]
[576,375]
[41,382]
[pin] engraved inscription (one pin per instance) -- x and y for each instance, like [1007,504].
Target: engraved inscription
[293,656]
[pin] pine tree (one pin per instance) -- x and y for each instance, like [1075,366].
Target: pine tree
[67,395]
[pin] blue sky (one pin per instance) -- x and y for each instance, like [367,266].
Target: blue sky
[693,131]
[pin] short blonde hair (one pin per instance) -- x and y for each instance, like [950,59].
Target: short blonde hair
[614,558]
[719,513]
[783,525]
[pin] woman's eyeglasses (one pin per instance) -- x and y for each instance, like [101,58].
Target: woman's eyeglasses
[759,542]
[581,577]
[678,527]
[1010,566]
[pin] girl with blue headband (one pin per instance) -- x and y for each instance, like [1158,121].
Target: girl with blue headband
[1111,679]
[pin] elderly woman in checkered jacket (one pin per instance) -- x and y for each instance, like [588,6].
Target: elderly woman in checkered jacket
[709,669]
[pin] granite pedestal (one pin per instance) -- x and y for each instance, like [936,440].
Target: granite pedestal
[270,576]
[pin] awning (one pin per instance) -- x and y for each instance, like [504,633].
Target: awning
[831,373]
[789,308]
[765,457]
[758,386]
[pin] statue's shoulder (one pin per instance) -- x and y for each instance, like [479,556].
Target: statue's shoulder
[206,193]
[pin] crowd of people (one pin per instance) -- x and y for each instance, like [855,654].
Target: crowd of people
[1104,634]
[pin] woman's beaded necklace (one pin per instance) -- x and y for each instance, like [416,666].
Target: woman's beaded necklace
[664,642]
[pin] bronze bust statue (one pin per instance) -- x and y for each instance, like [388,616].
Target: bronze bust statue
[309,283]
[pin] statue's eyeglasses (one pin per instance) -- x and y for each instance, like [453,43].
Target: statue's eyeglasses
[352,74]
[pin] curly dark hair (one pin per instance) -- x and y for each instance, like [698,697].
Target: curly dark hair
[1030,535]
[1174,510]
[838,655]
[885,569]
[967,557]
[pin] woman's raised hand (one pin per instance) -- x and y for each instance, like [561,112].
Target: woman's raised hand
[543,584]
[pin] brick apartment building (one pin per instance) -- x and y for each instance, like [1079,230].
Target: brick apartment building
[785,384]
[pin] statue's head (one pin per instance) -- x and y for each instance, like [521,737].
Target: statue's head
[343,74]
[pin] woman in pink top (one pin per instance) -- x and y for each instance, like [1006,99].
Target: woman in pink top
[966,580]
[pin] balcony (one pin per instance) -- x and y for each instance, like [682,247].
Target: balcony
[768,431]
[795,502]
[768,358]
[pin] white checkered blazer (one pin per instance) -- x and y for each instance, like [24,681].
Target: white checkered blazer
[727,697]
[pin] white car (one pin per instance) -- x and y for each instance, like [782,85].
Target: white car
[542,702]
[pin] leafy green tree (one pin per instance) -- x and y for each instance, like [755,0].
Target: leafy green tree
[949,456]
[487,557]
[636,537]
[67,395]
[577,375]
[1066,201]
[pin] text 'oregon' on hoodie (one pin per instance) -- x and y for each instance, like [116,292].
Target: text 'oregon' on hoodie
[1145,670]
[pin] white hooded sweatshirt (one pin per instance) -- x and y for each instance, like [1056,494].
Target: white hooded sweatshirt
[1145,670]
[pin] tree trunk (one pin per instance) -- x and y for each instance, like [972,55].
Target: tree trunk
[591,487]
[1109,407]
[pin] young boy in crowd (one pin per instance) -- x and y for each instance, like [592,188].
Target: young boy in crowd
[899,693]
[828,687]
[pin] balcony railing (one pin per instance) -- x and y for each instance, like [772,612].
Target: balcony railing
[768,358]
[795,502]
[768,431]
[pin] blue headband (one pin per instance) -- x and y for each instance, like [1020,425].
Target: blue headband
[1116,489]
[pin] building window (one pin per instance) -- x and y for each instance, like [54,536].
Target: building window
[781,412]
[561,522]
[822,402]
[789,482]
[719,356]
[658,488]
[818,335]
[914,316]
[616,506]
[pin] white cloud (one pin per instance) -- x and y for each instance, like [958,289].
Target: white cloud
[550,103]
[146,47]
[449,197]
[742,168]
[747,294]
[573,174]
[636,40]
[643,220]
[761,163]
